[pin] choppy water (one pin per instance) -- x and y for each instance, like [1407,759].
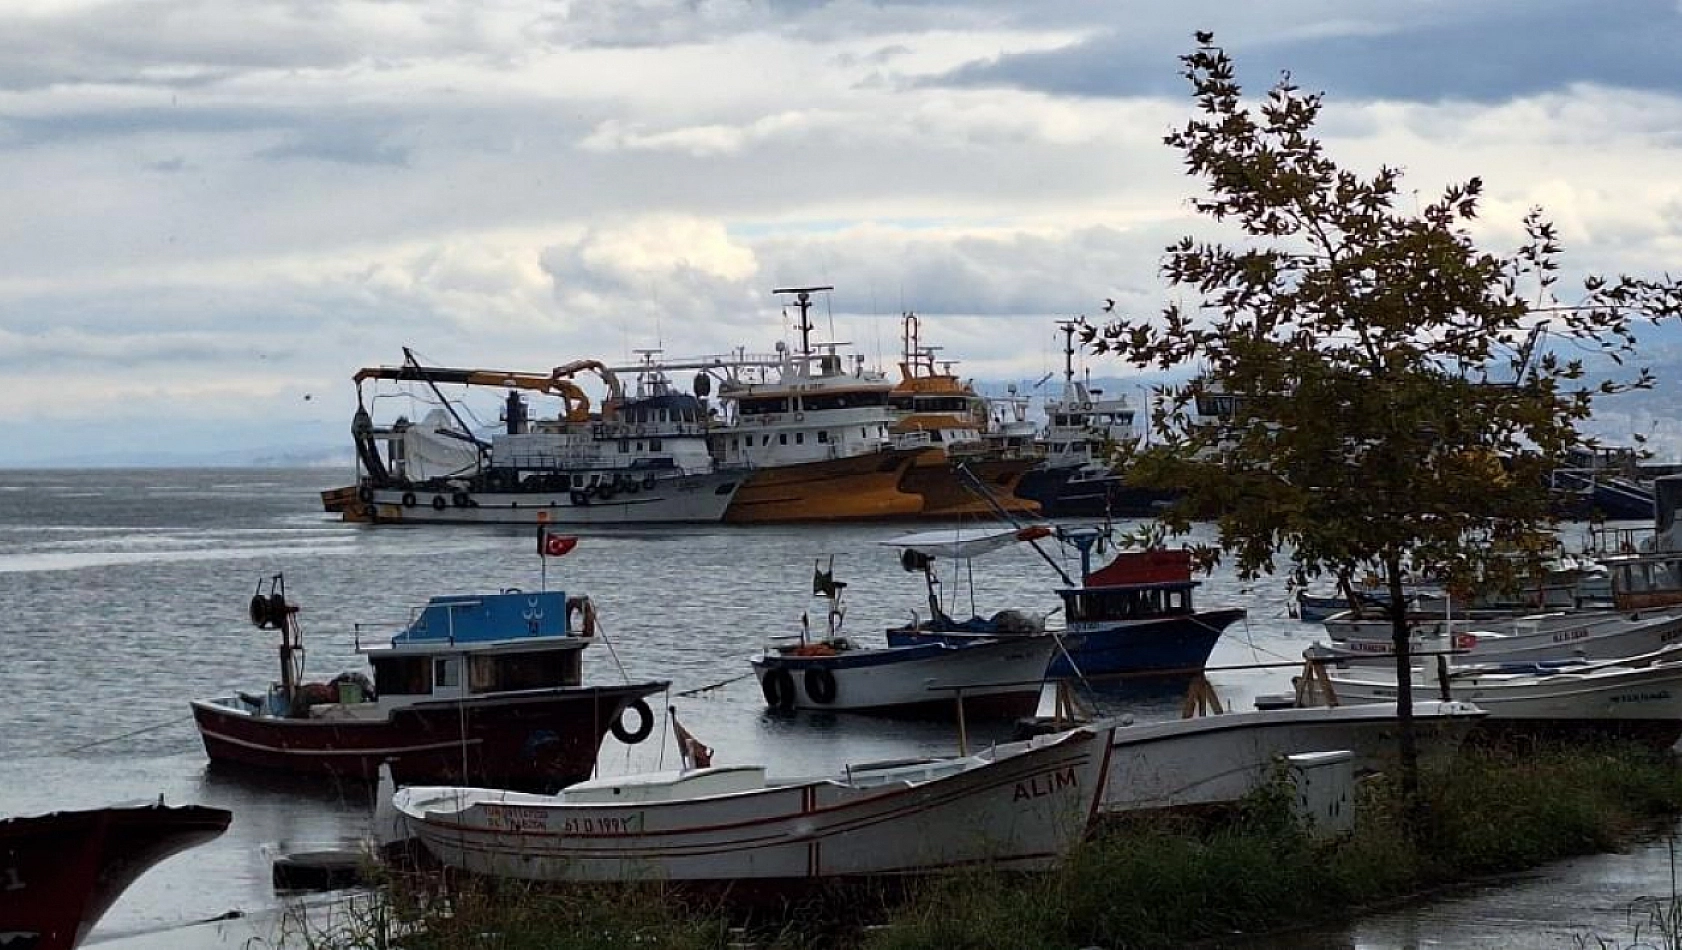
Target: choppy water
[123,595]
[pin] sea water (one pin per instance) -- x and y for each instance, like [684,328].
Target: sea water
[124,595]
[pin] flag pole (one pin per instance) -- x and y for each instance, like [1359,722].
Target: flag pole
[543,556]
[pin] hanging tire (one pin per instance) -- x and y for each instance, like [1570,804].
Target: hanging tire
[438,503]
[645,724]
[778,687]
[580,499]
[365,494]
[408,499]
[604,491]
[461,500]
[820,685]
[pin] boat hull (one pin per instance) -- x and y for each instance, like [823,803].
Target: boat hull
[1061,494]
[537,740]
[997,679]
[1018,812]
[1160,649]
[1216,760]
[946,493]
[856,488]
[1643,703]
[682,499]
[61,872]
[1610,636]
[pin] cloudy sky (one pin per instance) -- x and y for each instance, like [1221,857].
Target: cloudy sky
[215,212]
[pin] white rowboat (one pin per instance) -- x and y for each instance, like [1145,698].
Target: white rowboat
[1020,810]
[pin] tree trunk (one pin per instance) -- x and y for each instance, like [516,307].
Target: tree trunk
[1407,748]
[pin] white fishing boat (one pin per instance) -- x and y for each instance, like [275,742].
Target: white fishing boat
[643,458]
[1218,759]
[997,678]
[992,678]
[1588,635]
[1637,697]
[1017,810]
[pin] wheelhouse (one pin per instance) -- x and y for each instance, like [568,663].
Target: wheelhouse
[1128,602]
[465,645]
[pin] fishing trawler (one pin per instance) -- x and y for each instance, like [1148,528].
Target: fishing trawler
[809,431]
[944,419]
[1078,478]
[642,458]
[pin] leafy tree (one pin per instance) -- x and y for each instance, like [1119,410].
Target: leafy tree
[1379,400]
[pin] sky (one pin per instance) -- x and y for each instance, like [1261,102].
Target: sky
[216,212]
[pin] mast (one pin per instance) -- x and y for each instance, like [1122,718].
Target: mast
[1068,328]
[803,300]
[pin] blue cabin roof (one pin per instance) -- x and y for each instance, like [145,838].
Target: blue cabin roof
[485,618]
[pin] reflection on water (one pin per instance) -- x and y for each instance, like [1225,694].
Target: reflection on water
[123,595]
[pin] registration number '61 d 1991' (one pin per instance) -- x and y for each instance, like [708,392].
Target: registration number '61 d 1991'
[603,824]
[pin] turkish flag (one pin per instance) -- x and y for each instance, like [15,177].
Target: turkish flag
[554,545]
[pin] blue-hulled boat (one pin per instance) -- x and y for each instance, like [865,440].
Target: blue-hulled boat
[1134,618]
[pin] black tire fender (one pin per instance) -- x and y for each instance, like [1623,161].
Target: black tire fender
[820,685]
[778,687]
[408,499]
[438,503]
[645,723]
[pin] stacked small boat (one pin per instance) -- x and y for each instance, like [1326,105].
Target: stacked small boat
[1570,671]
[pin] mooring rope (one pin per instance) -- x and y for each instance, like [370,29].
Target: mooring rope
[129,735]
[709,688]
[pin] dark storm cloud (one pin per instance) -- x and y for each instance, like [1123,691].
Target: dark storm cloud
[1488,52]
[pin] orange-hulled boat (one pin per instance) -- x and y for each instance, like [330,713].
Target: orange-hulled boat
[944,420]
[811,430]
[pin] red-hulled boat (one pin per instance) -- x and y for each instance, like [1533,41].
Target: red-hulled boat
[480,689]
[59,873]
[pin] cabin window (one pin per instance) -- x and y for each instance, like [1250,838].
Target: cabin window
[844,400]
[823,435]
[800,438]
[864,433]
[762,406]
[653,445]
[401,676]
[511,671]
[765,440]
[782,438]
[639,446]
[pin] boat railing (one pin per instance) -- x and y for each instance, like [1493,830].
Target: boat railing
[919,439]
[1605,539]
